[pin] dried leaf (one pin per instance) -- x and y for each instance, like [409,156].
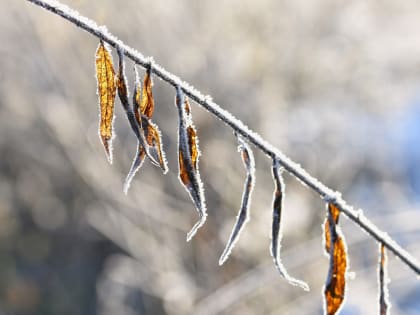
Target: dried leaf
[335,287]
[122,82]
[188,153]
[153,138]
[143,107]
[193,143]
[105,76]
[243,215]
[335,212]
[276,234]
[137,163]
[384,304]
[147,104]
[137,96]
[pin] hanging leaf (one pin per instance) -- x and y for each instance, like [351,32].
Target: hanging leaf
[276,234]
[335,287]
[243,215]
[384,304]
[105,76]
[153,138]
[147,104]
[124,98]
[143,106]
[335,213]
[137,96]
[188,154]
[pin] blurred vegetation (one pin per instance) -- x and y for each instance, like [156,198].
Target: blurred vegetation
[335,85]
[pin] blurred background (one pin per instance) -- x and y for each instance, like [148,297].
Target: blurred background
[333,84]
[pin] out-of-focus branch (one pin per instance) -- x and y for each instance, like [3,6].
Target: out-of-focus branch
[205,101]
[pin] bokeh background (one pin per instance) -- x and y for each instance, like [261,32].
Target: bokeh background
[333,84]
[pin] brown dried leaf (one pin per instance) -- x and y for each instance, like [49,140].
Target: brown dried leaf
[384,304]
[147,104]
[188,153]
[106,91]
[193,143]
[335,287]
[335,212]
[153,138]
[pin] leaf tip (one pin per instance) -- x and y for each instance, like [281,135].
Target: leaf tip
[107,143]
[196,226]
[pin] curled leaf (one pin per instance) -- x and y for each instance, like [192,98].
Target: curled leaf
[188,154]
[147,104]
[335,287]
[137,96]
[384,304]
[276,234]
[153,138]
[335,213]
[143,107]
[105,76]
[243,215]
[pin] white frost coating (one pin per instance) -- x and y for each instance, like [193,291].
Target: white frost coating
[292,167]
[195,185]
[276,234]
[243,216]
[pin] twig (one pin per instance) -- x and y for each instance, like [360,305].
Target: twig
[205,101]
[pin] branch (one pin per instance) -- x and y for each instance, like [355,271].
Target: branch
[205,101]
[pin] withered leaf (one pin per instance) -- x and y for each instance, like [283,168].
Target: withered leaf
[276,233]
[188,154]
[105,76]
[143,107]
[384,304]
[243,215]
[153,138]
[335,213]
[147,104]
[335,287]
[137,96]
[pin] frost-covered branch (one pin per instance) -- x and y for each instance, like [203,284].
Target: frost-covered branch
[205,101]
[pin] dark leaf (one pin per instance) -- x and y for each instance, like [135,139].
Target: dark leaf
[276,234]
[188,154]
[243,215]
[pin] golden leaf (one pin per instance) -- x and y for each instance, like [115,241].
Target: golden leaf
[106,91]
[335,287]
[193,143]
[147,104]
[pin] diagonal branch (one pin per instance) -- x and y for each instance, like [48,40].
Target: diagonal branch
[205,101]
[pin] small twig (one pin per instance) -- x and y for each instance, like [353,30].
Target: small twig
[289,165]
